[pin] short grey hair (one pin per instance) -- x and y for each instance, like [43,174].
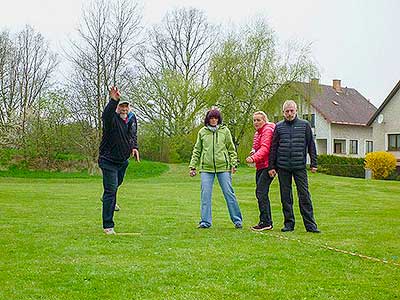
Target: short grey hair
[289,103]
[260,112]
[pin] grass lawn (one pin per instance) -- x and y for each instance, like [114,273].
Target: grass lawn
[52,245]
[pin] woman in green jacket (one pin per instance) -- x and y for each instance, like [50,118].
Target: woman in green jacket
[214,153]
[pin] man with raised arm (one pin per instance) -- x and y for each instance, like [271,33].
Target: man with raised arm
[119,142]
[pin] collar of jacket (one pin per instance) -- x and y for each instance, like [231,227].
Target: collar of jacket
[259,130]
[218,127]
[291,122]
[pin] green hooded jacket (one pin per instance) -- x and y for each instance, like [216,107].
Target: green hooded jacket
[214,151]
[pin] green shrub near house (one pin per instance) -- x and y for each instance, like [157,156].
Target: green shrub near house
[341,166]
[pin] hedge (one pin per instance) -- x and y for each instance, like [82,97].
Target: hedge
[341,166]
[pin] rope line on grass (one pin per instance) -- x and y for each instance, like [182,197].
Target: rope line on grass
[362,256]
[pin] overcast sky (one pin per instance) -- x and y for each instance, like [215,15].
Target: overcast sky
[356,41]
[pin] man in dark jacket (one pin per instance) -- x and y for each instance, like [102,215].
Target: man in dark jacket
[119,141]
[292,140]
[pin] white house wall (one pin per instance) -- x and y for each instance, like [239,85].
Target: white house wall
[350,132]
[322,127]
[390,125]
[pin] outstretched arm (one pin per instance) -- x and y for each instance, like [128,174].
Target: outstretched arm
[109,109]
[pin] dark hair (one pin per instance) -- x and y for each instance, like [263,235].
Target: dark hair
[212,113]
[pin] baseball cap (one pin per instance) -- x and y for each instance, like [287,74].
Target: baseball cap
[123,101]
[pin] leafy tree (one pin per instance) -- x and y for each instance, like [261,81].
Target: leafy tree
[248,69]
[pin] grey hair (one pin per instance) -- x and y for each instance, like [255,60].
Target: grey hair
[260,112]
[289,103]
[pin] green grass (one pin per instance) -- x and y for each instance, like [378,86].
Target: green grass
[145,169]
[52,245]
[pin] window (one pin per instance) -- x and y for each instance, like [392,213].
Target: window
[394,142]
[369,147]
[353,147]
[339,146]
[310,118]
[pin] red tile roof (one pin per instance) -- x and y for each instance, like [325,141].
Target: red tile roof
[345,107]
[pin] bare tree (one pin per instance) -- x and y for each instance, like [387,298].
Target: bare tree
[108,35]
[170,90]
[26,66]
[36,63]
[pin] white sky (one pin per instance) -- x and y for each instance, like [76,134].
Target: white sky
[356,41]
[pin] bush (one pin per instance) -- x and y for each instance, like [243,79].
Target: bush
[381,163]
[341,166]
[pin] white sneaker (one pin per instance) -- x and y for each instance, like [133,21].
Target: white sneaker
[117,208]
[109,231]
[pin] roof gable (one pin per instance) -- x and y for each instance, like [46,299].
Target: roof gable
[385,102]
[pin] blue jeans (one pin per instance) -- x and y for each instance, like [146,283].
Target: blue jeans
[113,175]
[225,182]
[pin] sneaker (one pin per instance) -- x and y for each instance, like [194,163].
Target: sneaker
[313,230]
[109,231]
[261,227]
[238,226]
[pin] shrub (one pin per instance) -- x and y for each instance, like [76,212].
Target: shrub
[341,166]
[381,163]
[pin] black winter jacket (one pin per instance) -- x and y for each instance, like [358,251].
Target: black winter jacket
[119,138]
[290,144]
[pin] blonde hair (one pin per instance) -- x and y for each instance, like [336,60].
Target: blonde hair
[260,112]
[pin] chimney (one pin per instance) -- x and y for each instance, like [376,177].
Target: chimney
[336,85]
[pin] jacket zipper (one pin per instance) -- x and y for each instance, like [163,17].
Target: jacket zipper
[215,167]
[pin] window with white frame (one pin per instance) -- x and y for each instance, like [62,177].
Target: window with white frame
[339,146]
[394,142]
[310,118]
[353,147]
[369,146]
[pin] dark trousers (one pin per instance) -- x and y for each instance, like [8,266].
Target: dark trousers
[113,175]
[263,181]
[305,204]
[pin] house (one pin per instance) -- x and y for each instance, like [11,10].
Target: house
[385,123]
[338,115]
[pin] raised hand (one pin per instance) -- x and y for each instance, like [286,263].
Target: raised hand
[114,93]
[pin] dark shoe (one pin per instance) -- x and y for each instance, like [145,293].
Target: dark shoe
[287,229]
[313,230]
[203,226]
[261,227]
[238,226]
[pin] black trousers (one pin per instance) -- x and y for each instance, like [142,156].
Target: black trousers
[263,181]
[113,176]
[305,204]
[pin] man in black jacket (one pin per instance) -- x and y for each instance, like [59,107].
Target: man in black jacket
[292,140]
[119,141]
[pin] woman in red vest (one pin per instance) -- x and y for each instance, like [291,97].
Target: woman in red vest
[260,155]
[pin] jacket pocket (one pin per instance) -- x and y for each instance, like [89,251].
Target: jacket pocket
[226,161]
